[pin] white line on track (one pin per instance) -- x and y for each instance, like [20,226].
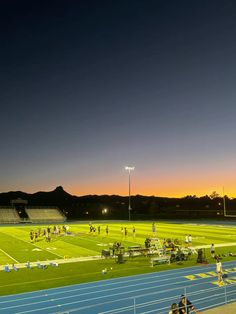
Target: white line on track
[89,299]
[78,292]
[127,282]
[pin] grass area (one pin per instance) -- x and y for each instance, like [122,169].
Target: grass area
[16,247]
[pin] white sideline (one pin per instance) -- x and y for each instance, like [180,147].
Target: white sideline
[55,261]
[92,258]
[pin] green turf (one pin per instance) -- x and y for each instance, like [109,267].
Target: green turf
[15,247]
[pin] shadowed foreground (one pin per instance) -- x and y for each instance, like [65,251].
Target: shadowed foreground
[225,309]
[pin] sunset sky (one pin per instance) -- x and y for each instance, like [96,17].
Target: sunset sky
[88,87]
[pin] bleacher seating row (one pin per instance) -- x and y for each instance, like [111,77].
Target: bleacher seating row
[8,214]
[44,214]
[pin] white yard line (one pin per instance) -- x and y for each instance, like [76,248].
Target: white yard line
[9,256]
[43,249]
[216,245]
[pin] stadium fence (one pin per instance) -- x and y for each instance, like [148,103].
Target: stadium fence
[202,299]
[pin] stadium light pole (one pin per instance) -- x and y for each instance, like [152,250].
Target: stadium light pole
[224,208]
[129,169]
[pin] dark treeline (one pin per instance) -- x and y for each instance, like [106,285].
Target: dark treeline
[116,207]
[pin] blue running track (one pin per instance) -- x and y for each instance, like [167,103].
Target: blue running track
[148,293]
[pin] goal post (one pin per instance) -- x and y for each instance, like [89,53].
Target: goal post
[224,208]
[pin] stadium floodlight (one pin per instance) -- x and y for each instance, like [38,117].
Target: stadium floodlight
[129,169]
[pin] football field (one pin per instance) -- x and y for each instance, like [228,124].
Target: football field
[17,247]
[79,249]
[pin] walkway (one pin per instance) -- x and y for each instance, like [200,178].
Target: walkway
[225,309]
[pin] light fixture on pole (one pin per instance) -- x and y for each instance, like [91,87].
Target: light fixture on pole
[129,169]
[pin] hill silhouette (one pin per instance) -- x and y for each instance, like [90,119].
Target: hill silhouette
[143,207]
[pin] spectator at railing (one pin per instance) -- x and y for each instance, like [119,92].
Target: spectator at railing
[174,309]
[185,306]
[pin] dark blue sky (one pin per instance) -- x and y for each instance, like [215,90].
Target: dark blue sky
[88,87]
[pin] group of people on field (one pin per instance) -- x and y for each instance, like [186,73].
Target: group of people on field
[124,230]
[47,232]
[188,240]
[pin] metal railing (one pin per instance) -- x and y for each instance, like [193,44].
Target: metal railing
[151,303]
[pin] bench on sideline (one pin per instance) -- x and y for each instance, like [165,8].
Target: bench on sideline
[160,260]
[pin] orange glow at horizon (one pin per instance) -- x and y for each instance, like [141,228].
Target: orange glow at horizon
[178,193]
[170,187]
[175,181]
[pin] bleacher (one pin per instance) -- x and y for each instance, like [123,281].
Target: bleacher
[44,214]
[8,214]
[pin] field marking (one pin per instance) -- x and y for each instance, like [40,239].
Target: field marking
[88,239]
[42,249]
[9,256]
[99,243]
[126,270]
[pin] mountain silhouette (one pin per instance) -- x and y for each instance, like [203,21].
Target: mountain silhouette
[90,207]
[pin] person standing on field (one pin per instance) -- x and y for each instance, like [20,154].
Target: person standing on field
[212,250]
[107,230]
[134,232]
[190,240]
[154,229]
[186,240]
